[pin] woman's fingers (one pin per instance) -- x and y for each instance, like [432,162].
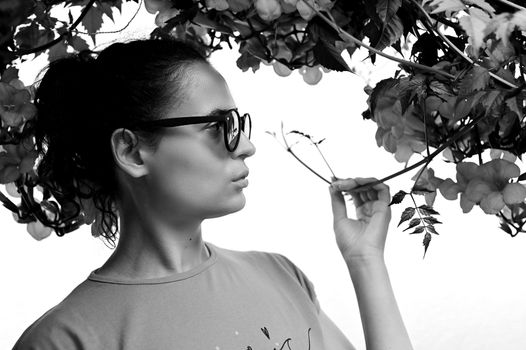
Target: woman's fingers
[339,210]
[379,191]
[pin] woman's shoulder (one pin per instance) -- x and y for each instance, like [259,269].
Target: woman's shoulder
[258,258]
[61,327]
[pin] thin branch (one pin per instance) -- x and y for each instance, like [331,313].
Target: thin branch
[457,50]
[512,4]
[455,137]
[61,36]
[119,30]
[354,40]
[288,149]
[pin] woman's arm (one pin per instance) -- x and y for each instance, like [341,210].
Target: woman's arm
[361,243]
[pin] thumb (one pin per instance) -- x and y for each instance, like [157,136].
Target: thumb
[339,210]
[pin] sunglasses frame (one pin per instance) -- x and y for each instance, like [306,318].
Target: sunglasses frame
[180,121]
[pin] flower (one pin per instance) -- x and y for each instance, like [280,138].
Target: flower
[38,231]
[17,160]
[15,104]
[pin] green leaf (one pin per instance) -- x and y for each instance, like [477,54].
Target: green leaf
[107,9]
[474,26]
[427,210]
[407,214]
[9,74]
[93,21]
[78,43]
[445,5]
[417,230]
[398,197]
[32,36]
[414,222]
[431,229]
[248,61]
[513,106]
[482,4]
[490,98]
[476,79]
[426,241]
[206,22]
[319,30]
[387,8]
[329,56]
[431,220]
[391,32]
[57,51]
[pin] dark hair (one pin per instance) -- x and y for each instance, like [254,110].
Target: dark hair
[82,100]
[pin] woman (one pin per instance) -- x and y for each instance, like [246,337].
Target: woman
[150,134]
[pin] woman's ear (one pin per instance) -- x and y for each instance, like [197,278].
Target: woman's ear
[127,153]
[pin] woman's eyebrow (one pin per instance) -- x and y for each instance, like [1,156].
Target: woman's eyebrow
[218,111]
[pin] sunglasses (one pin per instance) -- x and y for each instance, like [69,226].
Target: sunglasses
[233,124]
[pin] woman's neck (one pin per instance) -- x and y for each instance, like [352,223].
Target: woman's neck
[150,248]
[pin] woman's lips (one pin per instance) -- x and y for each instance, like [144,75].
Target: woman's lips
[242,182]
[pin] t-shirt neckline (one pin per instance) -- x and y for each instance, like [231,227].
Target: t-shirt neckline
[178,276]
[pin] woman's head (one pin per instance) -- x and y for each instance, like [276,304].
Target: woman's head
[85,106]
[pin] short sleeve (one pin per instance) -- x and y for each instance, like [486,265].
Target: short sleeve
[301,278]
[55,331]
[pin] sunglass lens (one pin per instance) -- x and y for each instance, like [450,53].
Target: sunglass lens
[232,129]
[247,125]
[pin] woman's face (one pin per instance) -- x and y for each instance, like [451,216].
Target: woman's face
[191,174]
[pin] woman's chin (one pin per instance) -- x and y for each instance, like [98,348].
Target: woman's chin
[235,205]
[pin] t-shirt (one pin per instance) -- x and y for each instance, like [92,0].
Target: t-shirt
[232,301]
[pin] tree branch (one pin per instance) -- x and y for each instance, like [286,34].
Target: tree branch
[456,49]
[512,4]
[354,40]
[61,36]
[455,137]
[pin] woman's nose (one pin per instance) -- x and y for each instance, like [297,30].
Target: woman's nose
[245,148]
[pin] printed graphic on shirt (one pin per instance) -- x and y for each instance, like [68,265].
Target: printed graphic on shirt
[281,345]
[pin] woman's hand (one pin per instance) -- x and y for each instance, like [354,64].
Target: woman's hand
[364,238]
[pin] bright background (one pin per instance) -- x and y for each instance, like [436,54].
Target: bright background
[468,292]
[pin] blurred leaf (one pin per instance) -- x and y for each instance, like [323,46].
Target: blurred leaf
[418,230]
[387,8]
[414,222]
[427,210]
[398,197]
[431,229]
[78,43]
[407,214]
[476,79]
[329,57]
[93,21]
[390,33]
[431,220]
[57,51]
[427,240]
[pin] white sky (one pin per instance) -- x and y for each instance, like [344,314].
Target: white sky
[468,293]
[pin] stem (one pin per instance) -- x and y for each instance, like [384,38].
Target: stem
[418,211]
[61,37]
[354,40]
[456,49]
[325,160]
[509,3]
[426,159]
[298,159]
